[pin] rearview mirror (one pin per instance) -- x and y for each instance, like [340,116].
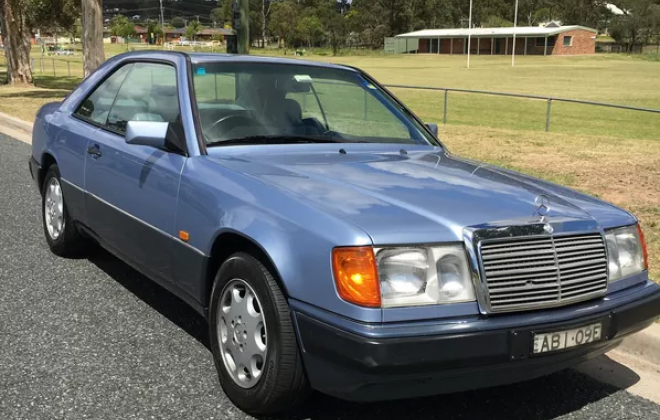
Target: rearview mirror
[147,133]
[434,129]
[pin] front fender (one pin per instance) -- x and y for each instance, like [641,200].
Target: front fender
[297,237]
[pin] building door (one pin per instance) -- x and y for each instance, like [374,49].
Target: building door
[435,44]
[498,46]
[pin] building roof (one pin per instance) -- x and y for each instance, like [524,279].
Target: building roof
[496,32]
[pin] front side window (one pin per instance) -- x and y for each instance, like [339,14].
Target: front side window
[243,101]
[149,93]
[97,105]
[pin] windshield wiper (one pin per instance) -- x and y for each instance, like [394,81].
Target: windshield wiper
[290,139]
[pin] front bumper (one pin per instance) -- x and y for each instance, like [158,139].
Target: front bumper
[370,362]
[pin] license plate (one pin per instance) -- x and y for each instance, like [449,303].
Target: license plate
[548,342]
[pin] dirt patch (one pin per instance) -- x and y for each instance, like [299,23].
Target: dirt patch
[623,172]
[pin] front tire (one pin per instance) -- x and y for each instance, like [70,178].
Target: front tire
[61,233]
[252,339]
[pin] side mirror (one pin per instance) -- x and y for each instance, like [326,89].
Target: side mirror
[147,133]
[434,129]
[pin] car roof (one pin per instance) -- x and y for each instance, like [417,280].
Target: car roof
[198,58]
[235,58]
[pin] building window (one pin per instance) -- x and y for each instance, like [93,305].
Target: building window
[540,41]
[568,41]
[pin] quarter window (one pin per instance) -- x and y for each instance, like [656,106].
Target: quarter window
[149,93]
[97,105]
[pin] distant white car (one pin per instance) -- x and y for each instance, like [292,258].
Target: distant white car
[183,41]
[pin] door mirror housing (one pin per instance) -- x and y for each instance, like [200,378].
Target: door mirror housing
[147,133]
[434,129]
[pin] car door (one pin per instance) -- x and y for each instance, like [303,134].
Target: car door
[73,134]
[132,189]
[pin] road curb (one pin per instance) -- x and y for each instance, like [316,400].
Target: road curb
[644,345]
[15,123]
[15,127]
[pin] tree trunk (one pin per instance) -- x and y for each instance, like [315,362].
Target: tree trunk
[16,38]
[263,23]
[92,35]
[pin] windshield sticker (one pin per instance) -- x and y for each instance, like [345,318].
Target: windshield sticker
[201,71]
[303,78]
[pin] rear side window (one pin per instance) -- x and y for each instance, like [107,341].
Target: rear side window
[149,93]
[97,105]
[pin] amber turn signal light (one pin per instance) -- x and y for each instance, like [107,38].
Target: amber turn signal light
[645,251]
[356,275]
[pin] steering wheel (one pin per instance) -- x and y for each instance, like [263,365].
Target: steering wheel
[230,122]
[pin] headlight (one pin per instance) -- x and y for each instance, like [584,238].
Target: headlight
[423,276]
[626,252]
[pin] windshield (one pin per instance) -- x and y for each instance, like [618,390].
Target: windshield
[257,103]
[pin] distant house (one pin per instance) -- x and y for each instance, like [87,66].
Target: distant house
[206,34]
[171,35]
[551,39]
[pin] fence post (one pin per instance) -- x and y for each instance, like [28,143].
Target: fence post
[53,67]
[41,64]
[31,64]
[444,119]
[547,116]
[68,68]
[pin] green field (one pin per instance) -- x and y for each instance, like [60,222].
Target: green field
[610,153]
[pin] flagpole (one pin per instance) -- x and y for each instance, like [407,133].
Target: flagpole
[515,25]
[469,35]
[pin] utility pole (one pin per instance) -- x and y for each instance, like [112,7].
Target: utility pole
[515,26]
[469,35]
[162,17]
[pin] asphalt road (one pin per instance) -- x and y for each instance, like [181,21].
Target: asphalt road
[93,339]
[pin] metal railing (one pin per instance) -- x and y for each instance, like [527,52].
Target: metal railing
[41,65]
[549,100]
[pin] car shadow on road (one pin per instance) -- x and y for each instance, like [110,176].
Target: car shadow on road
[540,399]
[160,299]
[545,398]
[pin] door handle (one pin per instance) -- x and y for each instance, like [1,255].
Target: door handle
[94,151]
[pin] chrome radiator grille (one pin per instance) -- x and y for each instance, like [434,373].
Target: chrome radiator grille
[530,273]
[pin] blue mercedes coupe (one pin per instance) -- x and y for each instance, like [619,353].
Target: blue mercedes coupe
[329,238]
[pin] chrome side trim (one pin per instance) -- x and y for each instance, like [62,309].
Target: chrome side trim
[162,232]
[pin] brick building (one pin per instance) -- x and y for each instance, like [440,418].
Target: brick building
[530,40]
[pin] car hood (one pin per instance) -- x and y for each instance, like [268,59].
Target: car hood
[419,195]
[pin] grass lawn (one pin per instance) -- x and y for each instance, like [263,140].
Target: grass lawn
[613,154]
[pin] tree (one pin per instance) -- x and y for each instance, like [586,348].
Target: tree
[640,21]
[496,22]
[336,25]
[178,22]
[121,26]
[310,29]
[53,15]
[193,28]
[154,32]
[16,37]
[283,22]
[92,39]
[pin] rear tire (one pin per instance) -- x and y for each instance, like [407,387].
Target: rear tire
[60,230]
[279,382]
